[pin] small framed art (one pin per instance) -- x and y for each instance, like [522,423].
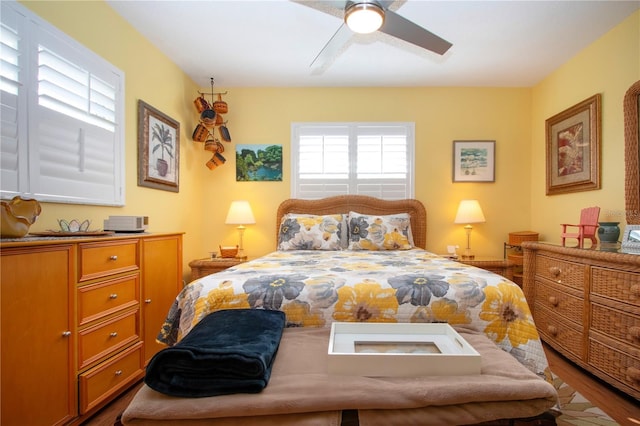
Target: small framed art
[158,149]
[573,148]
[474,161]
[631,238]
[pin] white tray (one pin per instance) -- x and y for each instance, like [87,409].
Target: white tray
[402,350]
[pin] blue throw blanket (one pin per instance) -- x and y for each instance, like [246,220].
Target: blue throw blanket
[228,351]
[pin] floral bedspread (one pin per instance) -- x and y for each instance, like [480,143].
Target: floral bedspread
[315,288]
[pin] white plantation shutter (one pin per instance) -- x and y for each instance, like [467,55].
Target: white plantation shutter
[373,159]
[13,155]
[69,116]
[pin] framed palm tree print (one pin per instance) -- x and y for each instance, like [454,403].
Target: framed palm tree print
[158,149]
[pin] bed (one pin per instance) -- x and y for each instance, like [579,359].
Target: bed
[358,258]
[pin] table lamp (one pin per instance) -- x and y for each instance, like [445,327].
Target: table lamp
[240,214]
[469,211]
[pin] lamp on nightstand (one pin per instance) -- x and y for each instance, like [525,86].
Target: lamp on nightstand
[240,214]
[469,211]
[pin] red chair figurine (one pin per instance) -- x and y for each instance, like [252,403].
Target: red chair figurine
[586,229]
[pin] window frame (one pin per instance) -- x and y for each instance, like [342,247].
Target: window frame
[353,184]
[93,172]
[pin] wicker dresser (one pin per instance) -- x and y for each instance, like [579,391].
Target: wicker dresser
[586,304]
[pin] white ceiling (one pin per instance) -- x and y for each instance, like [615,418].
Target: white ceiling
[246,43]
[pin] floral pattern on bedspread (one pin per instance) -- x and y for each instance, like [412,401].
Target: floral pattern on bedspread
[315,288]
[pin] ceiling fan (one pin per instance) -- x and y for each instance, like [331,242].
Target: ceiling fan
[380,18]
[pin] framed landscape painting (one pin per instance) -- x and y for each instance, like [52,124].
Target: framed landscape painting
[474,161]
[258,163]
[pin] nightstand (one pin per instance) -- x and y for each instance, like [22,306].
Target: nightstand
[500,266]
[208,266]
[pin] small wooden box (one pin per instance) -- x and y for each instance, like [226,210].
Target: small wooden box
[400,350]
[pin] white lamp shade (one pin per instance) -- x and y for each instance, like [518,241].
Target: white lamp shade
[364,18]
[469,211]
[240,213]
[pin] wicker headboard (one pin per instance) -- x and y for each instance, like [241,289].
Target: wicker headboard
[361,204]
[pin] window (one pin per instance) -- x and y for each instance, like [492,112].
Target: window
[62,109]
[375,159]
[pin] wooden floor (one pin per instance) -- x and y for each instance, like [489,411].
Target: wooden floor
[622,408]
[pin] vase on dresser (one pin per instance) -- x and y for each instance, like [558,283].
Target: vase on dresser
[608,232]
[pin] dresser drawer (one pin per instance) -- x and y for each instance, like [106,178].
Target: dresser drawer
[559,333]
[616,324]
[617,363]
[560,302]
[104,298]
[108,337]
[617,285]
[107,379]
[561,271]
[107,258]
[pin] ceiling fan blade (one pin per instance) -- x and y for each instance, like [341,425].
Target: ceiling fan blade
[333,47]
[399,27]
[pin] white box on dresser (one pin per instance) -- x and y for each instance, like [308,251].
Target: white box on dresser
[586,304]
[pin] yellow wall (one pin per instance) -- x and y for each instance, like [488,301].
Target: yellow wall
[441,115]
[149,76]
[608,66]
[513,117]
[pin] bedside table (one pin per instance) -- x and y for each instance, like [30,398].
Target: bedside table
[500,266]
[208,266]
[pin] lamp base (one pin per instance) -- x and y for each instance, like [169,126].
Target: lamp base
[467,255]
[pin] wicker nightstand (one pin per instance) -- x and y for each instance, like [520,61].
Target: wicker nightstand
[503,267]
[208,266]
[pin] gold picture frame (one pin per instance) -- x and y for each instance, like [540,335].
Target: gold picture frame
[158,149]
[573,148]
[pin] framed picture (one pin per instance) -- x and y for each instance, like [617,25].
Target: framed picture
[474,161]
[573,148]
[631,238]
[258,163]
[158,149]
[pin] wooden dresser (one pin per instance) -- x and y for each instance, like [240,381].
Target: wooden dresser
[79,320]
[586,305]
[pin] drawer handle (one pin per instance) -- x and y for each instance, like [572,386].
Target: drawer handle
[113,334]
[113,257]
[634,374]
[552,330]
[553,300]
[118,372]
[66,333]
[634,332]
[147,301]
[113,296]
[555,271]
[635,289]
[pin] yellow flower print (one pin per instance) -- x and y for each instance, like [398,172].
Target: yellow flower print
[299,314]
[366,302]
[309,222]
[219,298]
[445,310]
[367,245]
[258,265]
[507,312]
[395,240]
[362,266]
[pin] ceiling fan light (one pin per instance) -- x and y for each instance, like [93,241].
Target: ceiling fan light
[364,18]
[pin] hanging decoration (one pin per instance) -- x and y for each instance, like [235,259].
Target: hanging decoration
[211,123]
